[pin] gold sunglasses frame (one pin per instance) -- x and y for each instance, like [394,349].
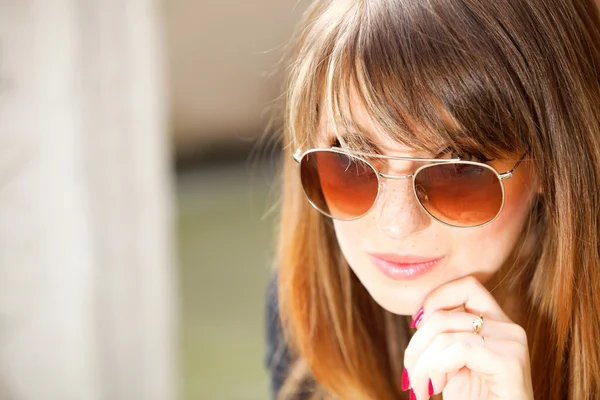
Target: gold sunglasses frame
[298,155]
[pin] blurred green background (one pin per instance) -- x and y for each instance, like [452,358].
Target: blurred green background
[225,244]
[223,76]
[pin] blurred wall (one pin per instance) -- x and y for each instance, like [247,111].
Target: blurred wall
[87,285]
[220,52]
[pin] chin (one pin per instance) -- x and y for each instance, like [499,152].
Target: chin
[397,299]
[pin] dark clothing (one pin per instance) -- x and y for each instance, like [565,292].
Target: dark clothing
[278,355]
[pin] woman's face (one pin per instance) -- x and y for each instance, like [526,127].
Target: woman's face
[420,253]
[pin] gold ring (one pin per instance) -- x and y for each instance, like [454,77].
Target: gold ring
[477,325]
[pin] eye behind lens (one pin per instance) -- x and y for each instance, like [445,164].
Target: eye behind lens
[338,185]
[460,194]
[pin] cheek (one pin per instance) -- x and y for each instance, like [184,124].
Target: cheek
[496,240]
[518,193]
[354,239]
[511,218]
[350,234]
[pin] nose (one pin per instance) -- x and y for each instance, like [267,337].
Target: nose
[398,212]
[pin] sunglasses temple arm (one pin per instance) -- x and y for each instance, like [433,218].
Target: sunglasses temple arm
[519,162]
[509,173]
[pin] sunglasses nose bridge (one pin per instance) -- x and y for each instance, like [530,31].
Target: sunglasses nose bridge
[396,177]
[397,213]
[382,182]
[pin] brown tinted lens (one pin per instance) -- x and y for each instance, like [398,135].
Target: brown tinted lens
[460,194]
[337,184]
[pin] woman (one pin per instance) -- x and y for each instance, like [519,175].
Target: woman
[439,230]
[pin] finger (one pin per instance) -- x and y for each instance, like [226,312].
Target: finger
[420,374]
[447,322]
[424,369]
[495,362]
[463,381]
[467,292]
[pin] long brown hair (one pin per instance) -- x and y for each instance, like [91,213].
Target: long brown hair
[509,75]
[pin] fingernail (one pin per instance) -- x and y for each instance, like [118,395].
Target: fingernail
[412,395]
[405,380]
[430,388]
[417,318]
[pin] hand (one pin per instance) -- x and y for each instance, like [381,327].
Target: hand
[445,356]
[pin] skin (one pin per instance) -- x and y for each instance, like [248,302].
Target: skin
[444,348]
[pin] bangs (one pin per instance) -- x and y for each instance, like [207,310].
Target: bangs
[421,82]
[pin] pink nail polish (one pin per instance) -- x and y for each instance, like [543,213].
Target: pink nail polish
[405,380]
[418,317]
[430,388]
[412,395]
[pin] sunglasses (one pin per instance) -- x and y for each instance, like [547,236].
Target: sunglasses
[343,185]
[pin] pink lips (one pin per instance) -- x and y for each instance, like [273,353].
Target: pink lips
[400,267]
